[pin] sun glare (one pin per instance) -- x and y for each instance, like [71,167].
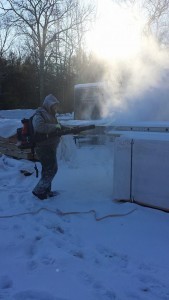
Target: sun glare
[116,33]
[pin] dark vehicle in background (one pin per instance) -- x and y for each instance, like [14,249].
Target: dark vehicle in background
[88,100]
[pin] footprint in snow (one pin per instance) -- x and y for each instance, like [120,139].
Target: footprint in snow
[151,285]
[5,282]
[121,260]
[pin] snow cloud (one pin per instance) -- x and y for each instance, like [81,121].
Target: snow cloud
[137,66]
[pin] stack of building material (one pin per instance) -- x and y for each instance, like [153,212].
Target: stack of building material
[8,146]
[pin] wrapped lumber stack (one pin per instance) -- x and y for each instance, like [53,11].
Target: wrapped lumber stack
[8,146]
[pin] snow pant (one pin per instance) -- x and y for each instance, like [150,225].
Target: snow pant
[48,160]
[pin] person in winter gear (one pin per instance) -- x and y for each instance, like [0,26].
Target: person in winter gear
[44,121]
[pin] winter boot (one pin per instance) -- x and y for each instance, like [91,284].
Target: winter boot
[42,196]
[52,193]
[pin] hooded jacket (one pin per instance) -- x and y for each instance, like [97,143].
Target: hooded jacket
[44,121]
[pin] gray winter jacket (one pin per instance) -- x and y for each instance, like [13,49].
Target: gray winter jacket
[45,122]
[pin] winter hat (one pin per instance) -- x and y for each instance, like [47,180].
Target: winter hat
[50,101]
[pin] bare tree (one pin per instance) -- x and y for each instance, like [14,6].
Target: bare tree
[157,19]
[43,23]
[157,15]
[7,36]
[6,40]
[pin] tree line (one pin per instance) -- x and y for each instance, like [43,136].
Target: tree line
[42,48]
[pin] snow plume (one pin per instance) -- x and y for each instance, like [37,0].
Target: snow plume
[137,65]
[138,88]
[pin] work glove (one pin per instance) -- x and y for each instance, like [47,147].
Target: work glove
[58,126]
[58,129]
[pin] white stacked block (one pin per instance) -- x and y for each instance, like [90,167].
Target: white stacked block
[145,176]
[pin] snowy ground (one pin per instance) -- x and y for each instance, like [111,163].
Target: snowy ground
[48,255]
